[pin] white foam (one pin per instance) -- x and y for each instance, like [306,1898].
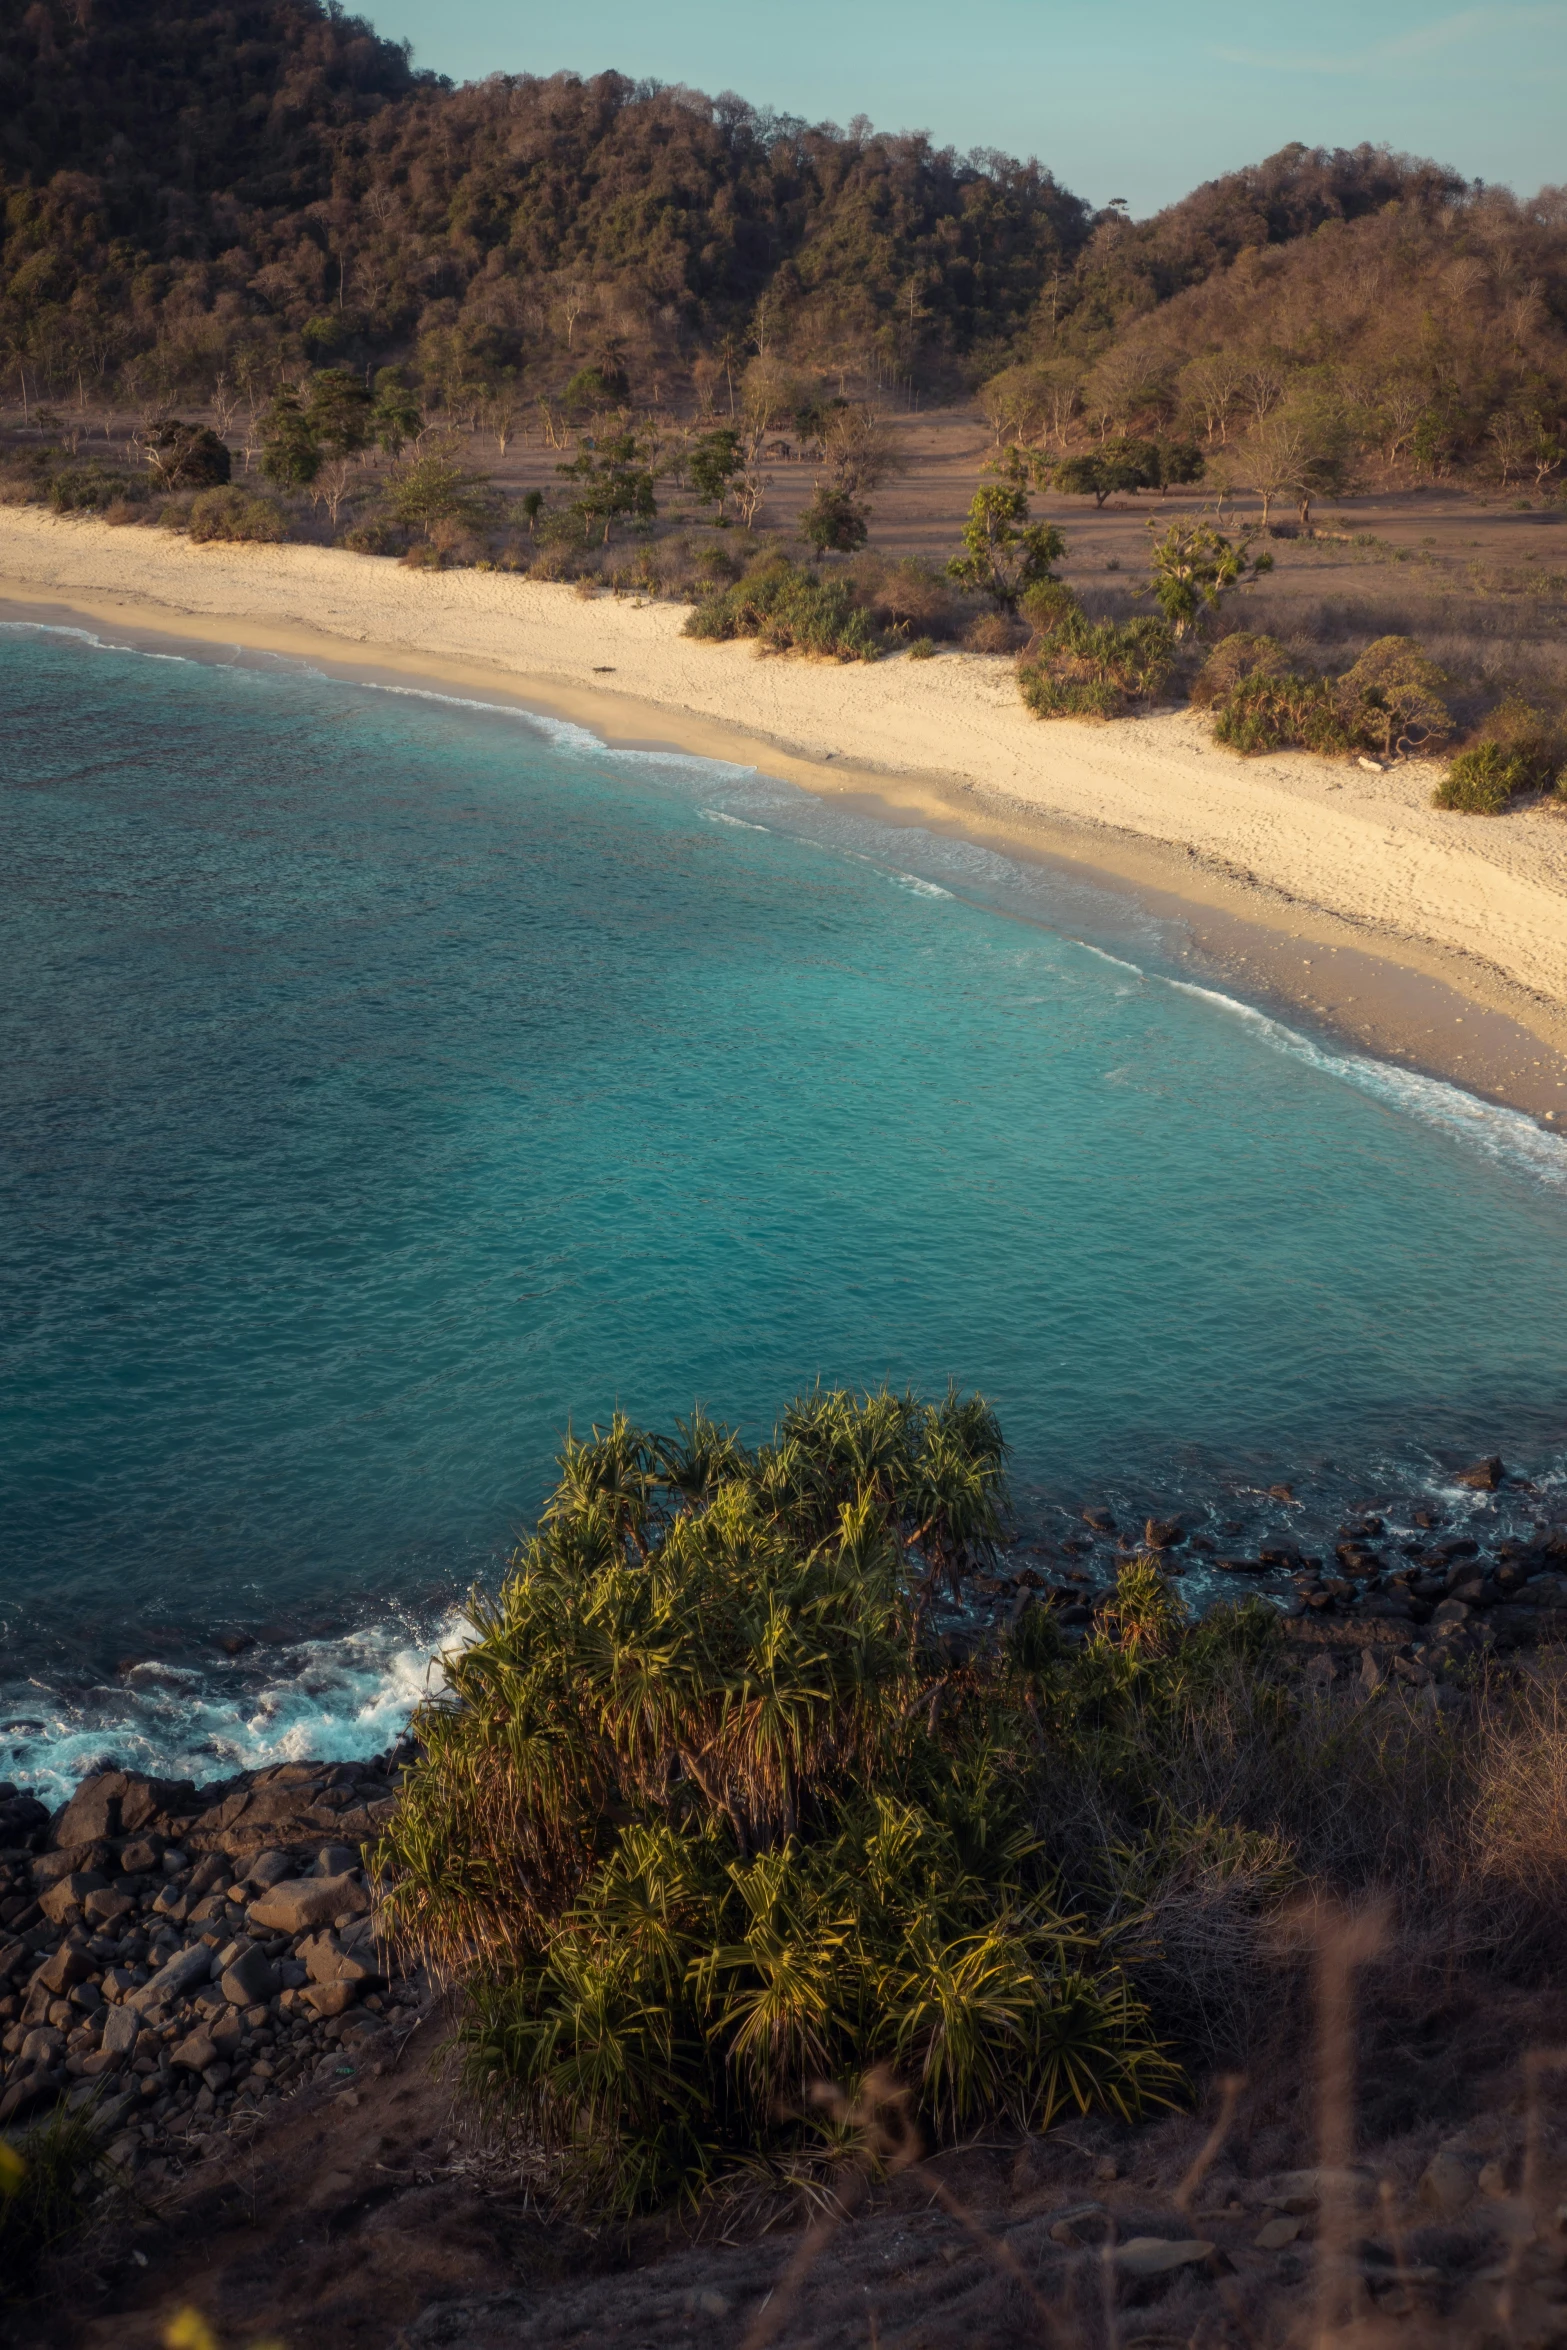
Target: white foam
[326,1700]
[718,816]
[1509,1137]
[99,644]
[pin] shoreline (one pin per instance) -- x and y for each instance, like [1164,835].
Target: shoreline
[1473,991]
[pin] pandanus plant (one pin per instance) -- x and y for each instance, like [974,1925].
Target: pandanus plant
[702,1819]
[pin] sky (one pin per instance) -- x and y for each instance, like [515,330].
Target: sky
[1139,99]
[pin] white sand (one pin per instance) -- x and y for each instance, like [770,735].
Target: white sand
[1363,846]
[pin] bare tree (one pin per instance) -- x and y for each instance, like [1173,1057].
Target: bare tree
[225,405]
[573,302]
[748,488]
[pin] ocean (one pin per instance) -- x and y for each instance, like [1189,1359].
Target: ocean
[392,1081]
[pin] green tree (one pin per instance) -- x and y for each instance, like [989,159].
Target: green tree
[612,480]
[186,456]
[1003,551]
[394,418]
[711,464]
[338,411]
[290,453]
[1195,567]
[834,522]
[1116,465]
[1178,464]
[433,489]
[602,385]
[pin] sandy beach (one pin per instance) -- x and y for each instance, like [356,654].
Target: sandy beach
[1437,939]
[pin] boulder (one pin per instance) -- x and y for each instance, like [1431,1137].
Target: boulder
[1164,1533]
[1447,2185]
[196,2052]
[71,1859]
[250,1980]
[64,1898]
[105,1907]
[181,1973]
[59,1971]
[120,1803]
[268,1869]
[294,1907]
[15,1958]
[335,1860]
[1482,1476]
[1276,2233]
[120,2027]
[327,1999]
[1158,2256]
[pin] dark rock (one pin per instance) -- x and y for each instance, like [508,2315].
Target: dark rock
[1164,1533]
[1483,1476]
[308,1901]
[250,1980]
[58,1973]
[71,1860]
[64,1898]
[335,1860]
[1100,1520]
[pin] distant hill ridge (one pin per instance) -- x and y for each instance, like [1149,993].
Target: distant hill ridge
[194,190]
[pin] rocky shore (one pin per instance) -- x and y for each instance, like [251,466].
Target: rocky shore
[185,1957]
[1407,1590]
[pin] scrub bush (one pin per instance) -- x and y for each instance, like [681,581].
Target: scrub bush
[1272,712]
[1518,752]
[791,610]
[1234,658]
[237,515]
[1096,668]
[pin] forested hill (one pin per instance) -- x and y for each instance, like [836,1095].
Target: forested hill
[195,193]
[190,186]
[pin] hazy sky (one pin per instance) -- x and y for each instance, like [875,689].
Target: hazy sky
[1139,99]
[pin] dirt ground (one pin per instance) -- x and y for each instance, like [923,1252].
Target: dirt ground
[1391,546]
[369,2215]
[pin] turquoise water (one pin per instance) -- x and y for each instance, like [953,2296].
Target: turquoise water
[389,1081]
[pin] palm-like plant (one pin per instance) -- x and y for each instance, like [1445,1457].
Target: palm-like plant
[692,1829]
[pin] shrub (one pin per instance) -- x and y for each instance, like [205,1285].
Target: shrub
[1483,781]
[791,610]
[706,1820]
[1069,697]
[187,456]
[1096,669]
[906,597]
[922,648]
[237,515]
[994,632]
[1236,657]
[89,488]
[1049,606]
[1393,698]
[1518,751]
[374,538]
[1270,711]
